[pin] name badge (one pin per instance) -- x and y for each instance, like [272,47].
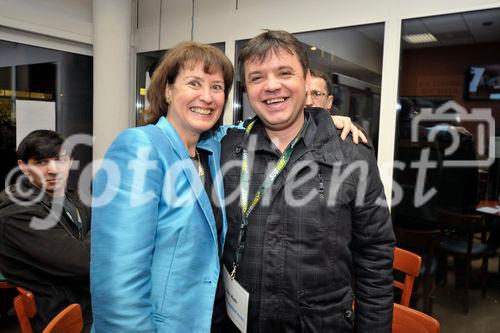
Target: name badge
[236,301]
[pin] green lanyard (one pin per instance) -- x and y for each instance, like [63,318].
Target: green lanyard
[266,184]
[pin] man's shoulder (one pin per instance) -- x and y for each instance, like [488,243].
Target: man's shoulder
[328,137]
[233,138]
[14,204]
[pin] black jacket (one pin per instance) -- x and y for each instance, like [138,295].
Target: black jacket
[310,252]
[52,262]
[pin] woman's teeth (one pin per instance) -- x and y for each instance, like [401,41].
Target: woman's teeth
[201,111]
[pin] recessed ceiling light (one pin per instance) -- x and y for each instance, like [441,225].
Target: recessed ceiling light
[313,48]
[420,38]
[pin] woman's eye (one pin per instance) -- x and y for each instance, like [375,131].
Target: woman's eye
[285,73]
[218,87]
[195,84]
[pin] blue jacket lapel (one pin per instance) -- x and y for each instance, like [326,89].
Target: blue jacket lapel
[190,172]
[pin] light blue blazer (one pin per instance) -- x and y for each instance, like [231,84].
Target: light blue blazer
[154,255]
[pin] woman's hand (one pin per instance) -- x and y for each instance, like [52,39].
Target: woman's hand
[346,125]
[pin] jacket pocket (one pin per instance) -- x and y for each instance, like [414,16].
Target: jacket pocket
[327,308]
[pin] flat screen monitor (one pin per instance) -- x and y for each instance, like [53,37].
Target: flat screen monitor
[483,82]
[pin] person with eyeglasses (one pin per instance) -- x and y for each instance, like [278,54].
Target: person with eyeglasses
[318,93]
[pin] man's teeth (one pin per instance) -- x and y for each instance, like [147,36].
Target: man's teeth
[201,111]
[275,100]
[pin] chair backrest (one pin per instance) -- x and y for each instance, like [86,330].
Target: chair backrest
[408,263]
[25,307]
[460,222]
[69,320]
[419,240]
[407,320]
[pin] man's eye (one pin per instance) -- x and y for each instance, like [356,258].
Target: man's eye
[316,93]
[285,73]
[253,79]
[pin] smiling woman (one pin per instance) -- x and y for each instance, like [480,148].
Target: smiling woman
[160,251]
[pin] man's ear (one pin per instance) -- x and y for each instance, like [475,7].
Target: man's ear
[23,167]
[308,78]
[330,102]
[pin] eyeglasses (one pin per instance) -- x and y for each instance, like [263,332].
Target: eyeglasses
[316,94]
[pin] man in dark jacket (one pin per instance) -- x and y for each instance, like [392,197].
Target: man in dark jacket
[308,228]
[44,231]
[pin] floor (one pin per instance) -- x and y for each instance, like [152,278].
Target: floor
[483,316]
[484,313]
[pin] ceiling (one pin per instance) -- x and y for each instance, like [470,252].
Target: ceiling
[452,29]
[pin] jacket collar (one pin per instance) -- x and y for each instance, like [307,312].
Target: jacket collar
[263,142]
[206,142]
[209,144]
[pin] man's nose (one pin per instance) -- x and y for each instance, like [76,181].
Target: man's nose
[309,100]
[52,166]
[273,83]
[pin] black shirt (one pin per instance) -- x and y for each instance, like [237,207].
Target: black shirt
[219,312]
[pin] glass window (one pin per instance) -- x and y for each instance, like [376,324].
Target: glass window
[449,103]
[45,76]
[351,58]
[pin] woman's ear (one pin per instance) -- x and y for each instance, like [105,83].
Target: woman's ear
[168,94]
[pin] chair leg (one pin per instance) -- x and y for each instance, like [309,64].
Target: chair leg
[484,275]
[426,292]
[466,286]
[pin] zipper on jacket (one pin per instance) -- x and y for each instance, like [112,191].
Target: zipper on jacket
[321,187]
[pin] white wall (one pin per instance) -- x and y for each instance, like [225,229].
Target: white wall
[65,19]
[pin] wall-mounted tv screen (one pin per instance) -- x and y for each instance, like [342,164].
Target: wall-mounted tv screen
[483,83]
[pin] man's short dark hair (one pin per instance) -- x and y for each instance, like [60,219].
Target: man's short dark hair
[322,75]
[261,46]
[39,145]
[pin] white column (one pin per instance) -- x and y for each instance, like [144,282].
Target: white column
[387,127]
[112,20]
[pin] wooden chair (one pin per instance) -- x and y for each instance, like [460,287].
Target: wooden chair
[459,242]
[407,320]
[408,263]
[69,320]
[423,241]
[25,307]
[5,290]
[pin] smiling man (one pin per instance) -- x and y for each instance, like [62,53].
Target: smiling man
[44,231]
[309,231]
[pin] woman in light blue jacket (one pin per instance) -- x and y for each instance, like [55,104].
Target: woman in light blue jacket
[157,236]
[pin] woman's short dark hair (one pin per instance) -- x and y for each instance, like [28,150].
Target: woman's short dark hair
[39,145]
[261,46]
[185,54]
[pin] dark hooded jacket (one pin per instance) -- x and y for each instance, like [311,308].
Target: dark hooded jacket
[45,252]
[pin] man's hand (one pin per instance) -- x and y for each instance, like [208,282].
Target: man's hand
[346,125]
